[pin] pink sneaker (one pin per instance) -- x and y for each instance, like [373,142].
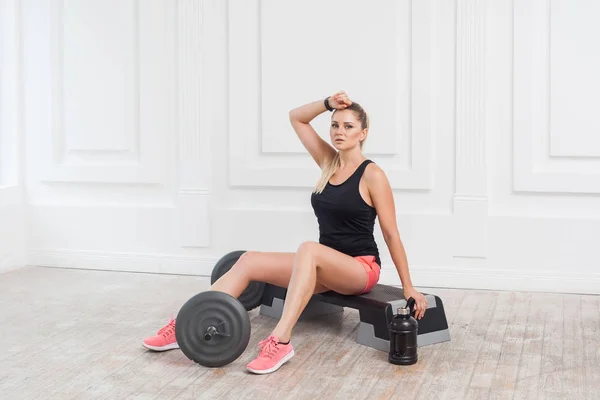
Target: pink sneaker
[164,339]
[272,355]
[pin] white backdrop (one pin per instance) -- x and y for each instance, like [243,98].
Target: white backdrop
[155,133]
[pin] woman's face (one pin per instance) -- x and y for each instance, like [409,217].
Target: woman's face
[345,130]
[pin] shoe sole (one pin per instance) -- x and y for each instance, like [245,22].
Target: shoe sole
[170,346]
[275,367]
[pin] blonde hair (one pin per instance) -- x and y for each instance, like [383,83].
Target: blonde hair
[330,167]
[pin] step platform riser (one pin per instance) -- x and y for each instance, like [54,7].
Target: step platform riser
[376,311]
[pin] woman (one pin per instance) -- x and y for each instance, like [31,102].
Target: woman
[351,193]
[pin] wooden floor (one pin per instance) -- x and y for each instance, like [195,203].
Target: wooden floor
[72,334]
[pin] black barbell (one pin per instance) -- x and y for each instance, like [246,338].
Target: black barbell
[213,327]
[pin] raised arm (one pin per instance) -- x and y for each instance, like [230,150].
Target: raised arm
[300,118]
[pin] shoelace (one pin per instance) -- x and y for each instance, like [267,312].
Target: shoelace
[268,347]
[167,330]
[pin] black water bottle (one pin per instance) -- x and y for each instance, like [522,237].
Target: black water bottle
[403,336]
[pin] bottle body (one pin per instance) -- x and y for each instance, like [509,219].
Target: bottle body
[403,340]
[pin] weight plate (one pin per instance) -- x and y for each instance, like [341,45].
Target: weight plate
[212,329]
[251,297]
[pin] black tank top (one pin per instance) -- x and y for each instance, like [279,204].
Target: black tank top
[346,221]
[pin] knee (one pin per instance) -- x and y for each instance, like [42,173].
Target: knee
[308,247]
[243,266]
[308,250]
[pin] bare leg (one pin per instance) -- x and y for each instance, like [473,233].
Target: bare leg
[273,268]
[300,290]
[316,264]
[314,267]
[270,267]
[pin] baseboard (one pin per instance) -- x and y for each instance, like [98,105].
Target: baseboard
[125,262]
[422,276]
[10,262]
[497,279]
[10,196]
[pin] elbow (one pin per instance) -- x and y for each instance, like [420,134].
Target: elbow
[296,116]
[391,236]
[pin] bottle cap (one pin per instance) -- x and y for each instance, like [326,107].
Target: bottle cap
[403,311]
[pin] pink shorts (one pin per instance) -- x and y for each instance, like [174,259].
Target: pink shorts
[373,270]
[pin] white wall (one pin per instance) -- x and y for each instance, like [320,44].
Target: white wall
[12,216]
[157,137]
[116,135]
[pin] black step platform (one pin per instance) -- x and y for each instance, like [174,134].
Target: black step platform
[376,310]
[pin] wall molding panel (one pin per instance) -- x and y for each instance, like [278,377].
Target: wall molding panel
[470,198]
[260,156]
[106,111]
[13,243]
[116,133]
[194,143]
[10,93]
[544,160]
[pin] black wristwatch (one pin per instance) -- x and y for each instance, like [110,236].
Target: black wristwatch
[327,106]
